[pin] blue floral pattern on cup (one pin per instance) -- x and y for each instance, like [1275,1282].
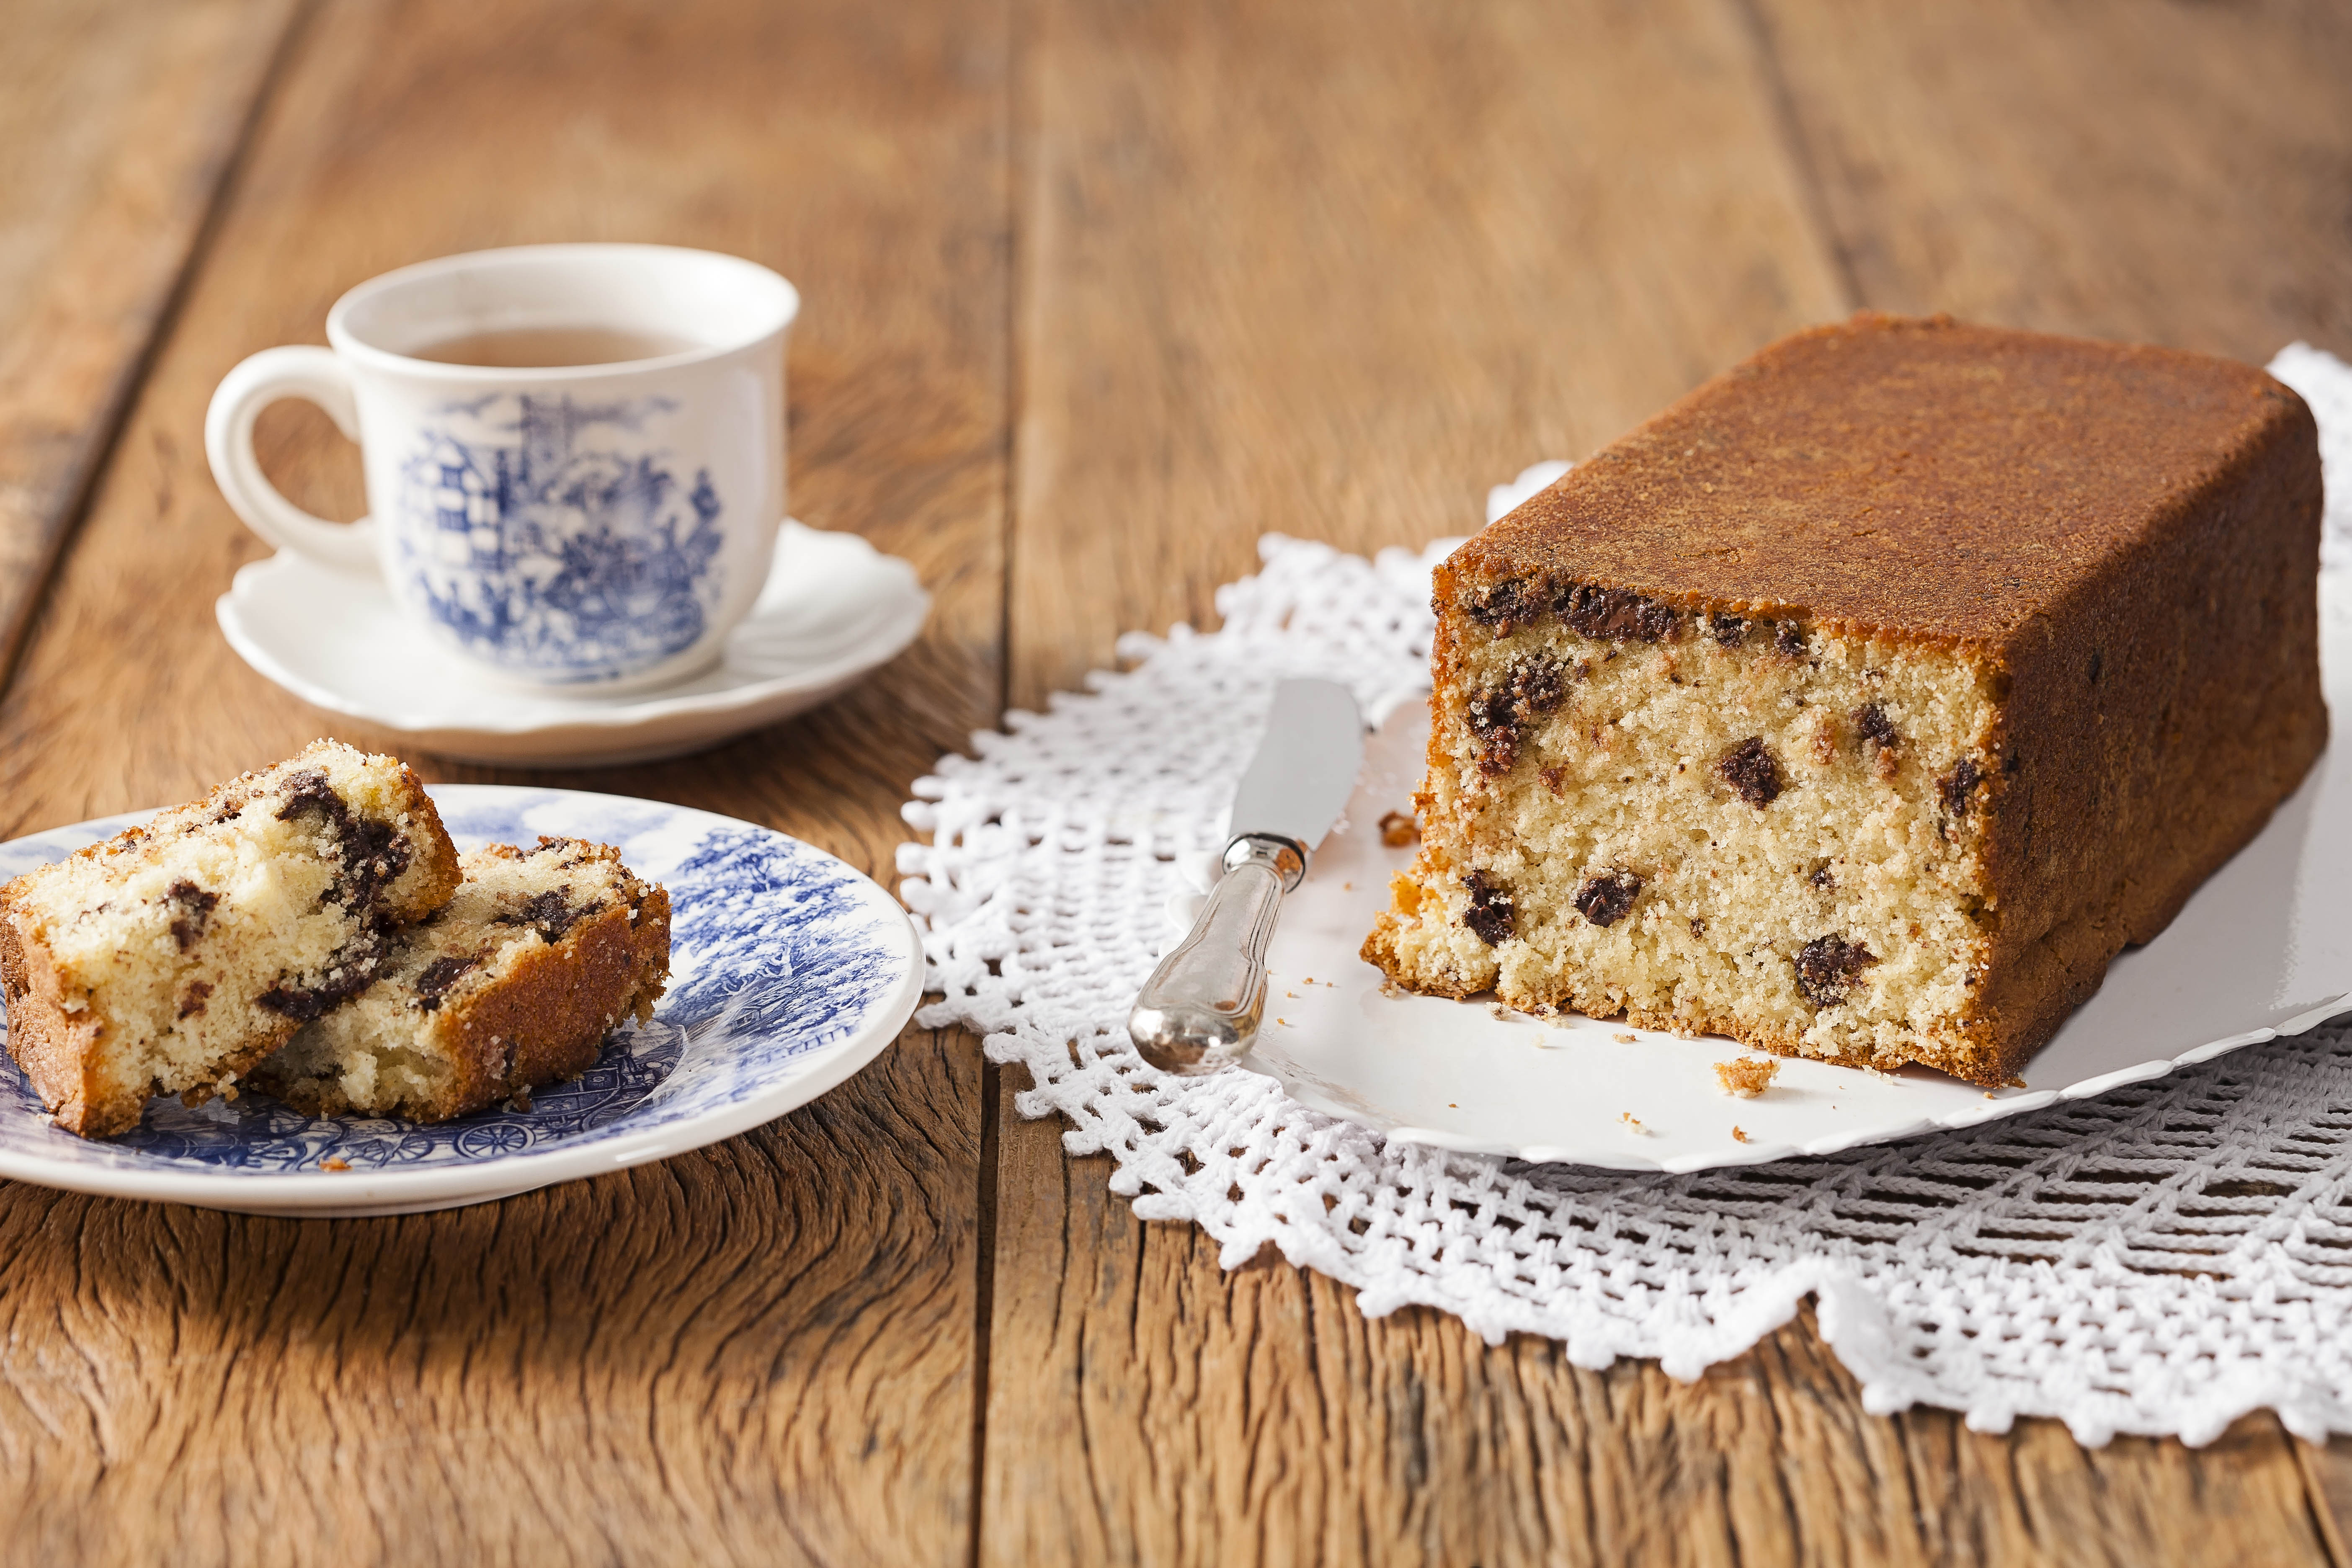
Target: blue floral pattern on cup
[777,950]
[538,534]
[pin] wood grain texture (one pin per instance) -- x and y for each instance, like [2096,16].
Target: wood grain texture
[760,1352]
[2327,1476]
[119,119]
[1332,272]
[757,1353]
[2169,173]
[1164,1411]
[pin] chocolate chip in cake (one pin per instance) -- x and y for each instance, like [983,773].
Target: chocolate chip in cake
[1789,637]
[1824,879]
[307,791]
[1728,630]
[551,911]
[1615,615]
[373,855]
[196,906]
[434,981]
[1826,967]
[1956,787]
[352,970]
[1489,713]
[1491,913]
[1535,685]
[1751,770]
[1539,685]
[192,1000]
[1870,722]
[1501,606]
[1607,898]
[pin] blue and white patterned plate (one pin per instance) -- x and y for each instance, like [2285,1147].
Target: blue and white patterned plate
[789,971]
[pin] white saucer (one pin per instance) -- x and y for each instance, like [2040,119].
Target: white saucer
[2262,950]
[833,608]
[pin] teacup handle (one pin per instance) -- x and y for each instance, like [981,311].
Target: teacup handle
[312,373]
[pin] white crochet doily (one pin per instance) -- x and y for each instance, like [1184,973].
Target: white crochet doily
[2158,1260]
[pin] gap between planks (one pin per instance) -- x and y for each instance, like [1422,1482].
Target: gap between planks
[55,504]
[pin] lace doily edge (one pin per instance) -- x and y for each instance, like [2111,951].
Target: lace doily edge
[1850,1316]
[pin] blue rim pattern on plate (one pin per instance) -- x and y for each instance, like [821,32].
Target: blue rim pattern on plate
[780,953]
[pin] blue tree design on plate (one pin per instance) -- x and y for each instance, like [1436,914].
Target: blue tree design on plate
[745,892]
[550,555]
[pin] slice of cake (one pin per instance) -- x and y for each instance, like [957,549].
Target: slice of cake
[1865,702]
[172,957]
[514,983]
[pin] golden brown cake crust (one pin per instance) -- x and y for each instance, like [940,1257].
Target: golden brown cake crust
[549,1019]
[1924,479]
[58,1052]
[2123,541]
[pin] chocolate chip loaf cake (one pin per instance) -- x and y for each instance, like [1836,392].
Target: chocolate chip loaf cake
[514,983]
[1867,701]
[175,956]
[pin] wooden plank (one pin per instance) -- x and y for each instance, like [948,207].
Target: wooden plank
[2171,173]
[1259,1417]
[116,122]
[762,1351]
[1333,271]
[2327,1474]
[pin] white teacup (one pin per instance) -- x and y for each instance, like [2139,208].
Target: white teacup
[596,525]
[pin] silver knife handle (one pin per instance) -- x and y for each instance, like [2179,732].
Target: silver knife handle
[1200,1011]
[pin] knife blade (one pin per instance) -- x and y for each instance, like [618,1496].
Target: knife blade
[1200,1011]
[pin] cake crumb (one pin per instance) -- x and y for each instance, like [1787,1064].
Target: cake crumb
[1747,1077]
[2013,1083]
[1739,1137]
[1398,829]
[1390,989]
[1626,1039]
[334,1163]
[1633,1121]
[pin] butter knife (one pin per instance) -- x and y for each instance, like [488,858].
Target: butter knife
[1200,1011]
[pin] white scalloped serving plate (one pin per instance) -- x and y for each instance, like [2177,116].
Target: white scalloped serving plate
[2264,949]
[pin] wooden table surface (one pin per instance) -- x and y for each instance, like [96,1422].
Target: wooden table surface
[1096,292]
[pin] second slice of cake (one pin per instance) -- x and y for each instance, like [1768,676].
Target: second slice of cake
[1864,704]
[513,984]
